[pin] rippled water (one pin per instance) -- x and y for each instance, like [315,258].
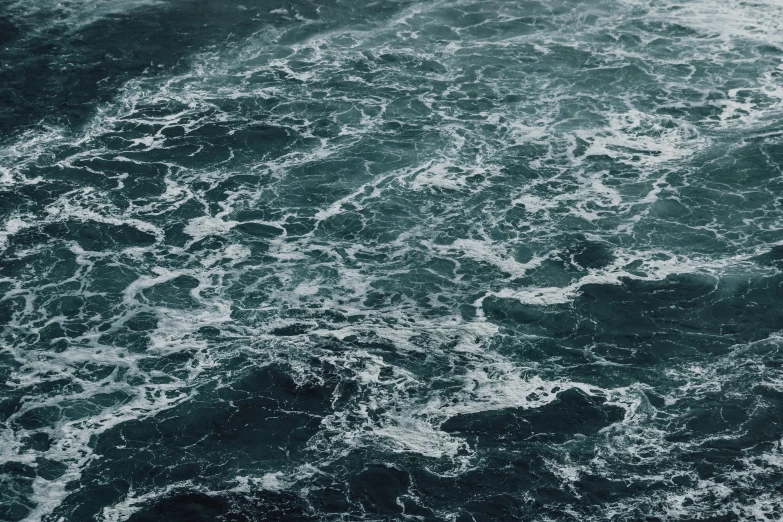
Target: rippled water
[443,261]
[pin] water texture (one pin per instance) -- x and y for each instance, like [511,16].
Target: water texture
[417,260]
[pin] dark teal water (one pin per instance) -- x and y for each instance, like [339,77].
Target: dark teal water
[465,261]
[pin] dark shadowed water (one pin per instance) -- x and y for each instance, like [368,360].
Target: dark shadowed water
[464,261]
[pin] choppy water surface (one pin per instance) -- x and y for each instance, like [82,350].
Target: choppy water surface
[443,261]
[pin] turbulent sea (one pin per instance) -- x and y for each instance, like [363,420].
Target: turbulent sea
[421,260]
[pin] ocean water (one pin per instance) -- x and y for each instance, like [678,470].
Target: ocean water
[421,260]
